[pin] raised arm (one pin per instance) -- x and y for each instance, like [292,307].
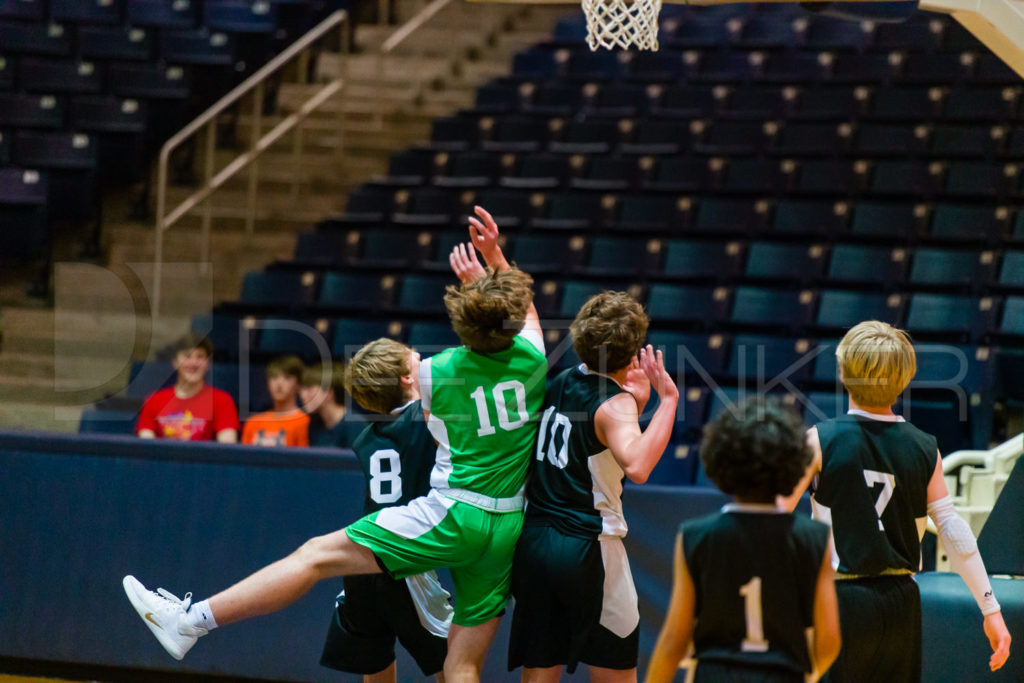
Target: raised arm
[483,233]
[616,421]
[960,545]
[676,633]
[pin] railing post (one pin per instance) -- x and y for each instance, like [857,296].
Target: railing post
[211,147]
[257,120]
[158,237]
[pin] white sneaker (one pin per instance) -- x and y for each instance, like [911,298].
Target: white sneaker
[164,614]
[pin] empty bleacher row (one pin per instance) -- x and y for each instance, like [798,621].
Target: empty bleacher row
[90,88]
[764,181]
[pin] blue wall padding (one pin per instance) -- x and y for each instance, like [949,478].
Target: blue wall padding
[78,512]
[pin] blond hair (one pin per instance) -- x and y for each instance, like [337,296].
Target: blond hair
[876,363]
[488,313]
[373,376]
[609,330]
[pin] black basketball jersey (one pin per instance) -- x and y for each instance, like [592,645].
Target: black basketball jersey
[575,484]
[873,490]
[396,454]
[755,573]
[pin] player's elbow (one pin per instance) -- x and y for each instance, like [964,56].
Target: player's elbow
[637,474]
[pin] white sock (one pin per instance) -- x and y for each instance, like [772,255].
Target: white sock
[201,615]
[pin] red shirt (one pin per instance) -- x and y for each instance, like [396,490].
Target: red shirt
[198,418]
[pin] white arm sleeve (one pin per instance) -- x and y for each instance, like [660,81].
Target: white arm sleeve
[534,337]
[959,543]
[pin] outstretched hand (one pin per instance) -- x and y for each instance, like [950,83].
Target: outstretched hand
[998,638]
[653,364]
[638,385]
[483,232]
[465,264]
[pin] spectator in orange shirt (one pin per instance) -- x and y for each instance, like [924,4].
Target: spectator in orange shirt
[286,424]
[191,410]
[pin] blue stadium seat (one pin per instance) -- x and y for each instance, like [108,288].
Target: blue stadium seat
[278,288]
[914,178]
[555,99]
[862,68]
[107,115]
[951,269]
[59,76]
[904,103]
[441,247]
[828,103]
[690,353]
[648,213]
[693,260]
[423,293]
[240,16]
[350,334]
[511,208]
[840,310]
[609,174]
[755,176]
[989,68]
[162,14]
[571,30]
[1009,374]
[818,406]
[572,211]
[908,35]
[1012,272]
[5,149]
[793,67]
[622,100]
[393,249]
[86,11]
[125,43]
[825,372]
[723,67]
[976,179]
[659,66]
[431,337]
[760,361]
[306,338]
[6,73]
[623,256]
[768,32]
[853,264]
[452,133]
[603,65]
[105,421]
[890,221]
[680,174]
[427,207]
[28,10]
[498,98]
[326,248]
[826,33]
[50,40]
[831,177]
[539,63]
[966,223]
[693,34]
[733,138]
[687,102]
[357,291]
[200,47]
[574,294]
[31,111]
[1013,317]
[729,216]
[757,102]
[942,419]
[677,465]
[955,317]
[884,139]
[808,217]
[24,198]
[973,104]
[593,136]
[470,170]
[149,81]
[517,134]
[538,172]
[939,69]
[753,307]
[784,263]
[71,159]
[961,141]
[538,252]
[695,306]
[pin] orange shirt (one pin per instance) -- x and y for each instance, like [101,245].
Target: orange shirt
[277,429]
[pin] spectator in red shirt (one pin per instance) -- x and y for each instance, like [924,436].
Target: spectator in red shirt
[191,410]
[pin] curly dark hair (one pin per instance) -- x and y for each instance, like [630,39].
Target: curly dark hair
[756,449]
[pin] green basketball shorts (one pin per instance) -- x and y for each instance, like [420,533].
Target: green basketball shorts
[435,531]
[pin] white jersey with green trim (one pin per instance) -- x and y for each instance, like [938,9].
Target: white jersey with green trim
[483,413]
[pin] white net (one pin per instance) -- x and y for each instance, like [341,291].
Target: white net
[622,23]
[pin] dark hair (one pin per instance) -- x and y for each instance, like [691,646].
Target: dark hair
[189,341]
[609,331]
[290,366]
[756,449]
[488,313]
[315,376]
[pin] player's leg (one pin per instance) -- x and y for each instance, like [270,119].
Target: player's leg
[388,675]
[602,675]
[280,584]
[467,649]
[177,626]
[551,674]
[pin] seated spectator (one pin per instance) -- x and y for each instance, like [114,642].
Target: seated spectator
[191,410]
[323,397]
[286,424]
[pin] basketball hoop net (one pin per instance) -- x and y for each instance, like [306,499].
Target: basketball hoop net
[622,23]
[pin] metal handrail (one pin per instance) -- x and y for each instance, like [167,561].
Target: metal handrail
[258,144]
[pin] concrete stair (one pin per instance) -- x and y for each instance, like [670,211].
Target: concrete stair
[57,359]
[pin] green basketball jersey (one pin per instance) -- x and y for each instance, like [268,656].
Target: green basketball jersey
[483,415]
